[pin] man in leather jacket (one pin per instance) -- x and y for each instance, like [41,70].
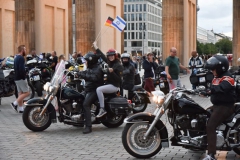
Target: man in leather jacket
[93,76]
[223,97]
[128,74]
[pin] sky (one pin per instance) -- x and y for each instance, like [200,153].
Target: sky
[216,15]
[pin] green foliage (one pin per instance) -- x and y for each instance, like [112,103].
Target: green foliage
[222,46]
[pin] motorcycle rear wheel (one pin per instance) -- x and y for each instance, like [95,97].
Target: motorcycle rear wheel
[32,120]
[114,122]
[136,145]
[139,107]
[39,88]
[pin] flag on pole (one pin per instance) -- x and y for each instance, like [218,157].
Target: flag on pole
[109,22]
[119,23]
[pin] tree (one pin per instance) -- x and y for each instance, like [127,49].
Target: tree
[224,46]
[200,48]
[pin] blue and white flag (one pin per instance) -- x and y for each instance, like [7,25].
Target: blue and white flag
[119,23]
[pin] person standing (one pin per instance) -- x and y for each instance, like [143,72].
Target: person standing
[54,60]
[20,79]
[149,75]
[195,62]
[172,69]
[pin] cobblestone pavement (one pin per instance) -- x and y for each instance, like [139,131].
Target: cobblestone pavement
[64,142]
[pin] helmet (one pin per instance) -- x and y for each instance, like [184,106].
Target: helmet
[218,62]
[111,52]
[125,55]
[91,58]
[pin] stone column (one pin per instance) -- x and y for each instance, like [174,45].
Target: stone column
[179,28]
[85,25]
[24,24]
[236,31]
[70,26]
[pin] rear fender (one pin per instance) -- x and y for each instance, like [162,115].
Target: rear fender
[41,103]
[148,118]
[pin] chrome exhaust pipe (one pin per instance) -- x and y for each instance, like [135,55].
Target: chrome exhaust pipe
[31,79]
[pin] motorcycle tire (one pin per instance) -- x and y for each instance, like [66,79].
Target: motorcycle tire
[132,139]
[31,120]
[114,122]
[139,107]
[39,88]
[32,92]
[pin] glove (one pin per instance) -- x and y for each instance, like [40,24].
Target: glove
[95,45]
[207,92]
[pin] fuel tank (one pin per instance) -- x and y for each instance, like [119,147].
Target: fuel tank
[188,106]
[69,93]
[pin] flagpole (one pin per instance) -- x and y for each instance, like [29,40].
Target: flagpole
[98,34]
[101,34]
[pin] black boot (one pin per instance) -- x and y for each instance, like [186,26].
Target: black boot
[87,130]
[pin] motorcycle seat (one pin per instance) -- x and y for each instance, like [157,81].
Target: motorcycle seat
[137,88]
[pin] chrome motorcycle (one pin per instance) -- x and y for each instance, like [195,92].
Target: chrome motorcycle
[40,113]
[145,134]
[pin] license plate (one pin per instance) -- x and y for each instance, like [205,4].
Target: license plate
[36,78]
[162,85]
[202,79]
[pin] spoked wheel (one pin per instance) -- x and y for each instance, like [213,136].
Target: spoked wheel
[114,122]
[139,107]
[135,144]
[33,121]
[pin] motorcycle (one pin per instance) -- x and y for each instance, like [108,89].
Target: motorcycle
[8,86]
[201,77]
[145,134]
[40,113]
[38,74]
[139,99]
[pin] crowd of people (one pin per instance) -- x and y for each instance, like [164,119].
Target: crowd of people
[120,73]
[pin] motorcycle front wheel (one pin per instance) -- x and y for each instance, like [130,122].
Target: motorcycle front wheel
[135,144]
[139,107]
[114,122]
[33,121]
[31,90]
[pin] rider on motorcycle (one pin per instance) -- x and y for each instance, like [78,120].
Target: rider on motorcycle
[92,76]
[223,97]
[128,74]
[114,75]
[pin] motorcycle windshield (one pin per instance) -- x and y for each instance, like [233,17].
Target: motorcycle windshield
[59,74]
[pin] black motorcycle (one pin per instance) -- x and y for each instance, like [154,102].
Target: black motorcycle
[201,77]
[38,74]
[8,86]
[40,112]
[145,134]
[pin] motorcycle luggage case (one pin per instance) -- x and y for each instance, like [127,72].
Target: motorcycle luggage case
[119,105]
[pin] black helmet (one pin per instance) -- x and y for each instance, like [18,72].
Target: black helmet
[125,55]
[218,62]
[111,52]
[91,58]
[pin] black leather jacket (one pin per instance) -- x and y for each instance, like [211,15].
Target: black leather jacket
[114,77]
[223,90]
[128,77]
[93,77]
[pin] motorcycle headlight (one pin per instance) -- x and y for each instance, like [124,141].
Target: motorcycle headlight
[46,86]
[51,88]
[158,97]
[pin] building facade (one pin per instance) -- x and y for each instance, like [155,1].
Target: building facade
[143,32]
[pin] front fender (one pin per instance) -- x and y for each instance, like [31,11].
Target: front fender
[148,118]
[41,103]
